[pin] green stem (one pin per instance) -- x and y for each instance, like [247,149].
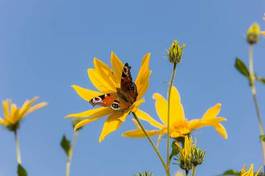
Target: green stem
[193,170]
[254,96]
[18,153]
[168,115]
[151,143]
[69,158]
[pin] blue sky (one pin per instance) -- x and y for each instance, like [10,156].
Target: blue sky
[45,46]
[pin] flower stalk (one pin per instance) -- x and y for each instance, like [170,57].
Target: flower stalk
[193,171]
[18,153]
[70,156]
[151,143]
[168,115]
[254,96]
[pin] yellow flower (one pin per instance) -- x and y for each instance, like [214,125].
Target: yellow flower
[249,172]
[253,33]
[179,125]
[107,80]
[12,115]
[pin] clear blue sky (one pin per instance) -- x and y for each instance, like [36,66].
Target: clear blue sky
[45,46]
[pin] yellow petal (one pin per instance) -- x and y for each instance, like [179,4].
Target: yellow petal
[26,105]
[98,112]
[117,67]
[212,112]
[139,133]
[84,122]
[13,118]
[36,107]
[214,122]
[94,114]
[161,107]
[6,107]
[2,122]
[176,109]
[105,72]
[112,124]
[199,123]
[177,134]
[195,124]
[99,82]
[23,111]
[146,117]
[136,104]
[142,79]
[249,172]
[84,93]
[221,130]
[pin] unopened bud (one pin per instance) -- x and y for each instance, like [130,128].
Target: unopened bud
[175,52]
[253,34]
[197,156]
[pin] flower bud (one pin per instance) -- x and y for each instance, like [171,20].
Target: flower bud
[197,156]
[175,52]
[253,34]
[186,165]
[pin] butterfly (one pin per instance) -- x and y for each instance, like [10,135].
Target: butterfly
[125,96]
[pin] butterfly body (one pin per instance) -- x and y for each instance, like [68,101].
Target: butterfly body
[125,96]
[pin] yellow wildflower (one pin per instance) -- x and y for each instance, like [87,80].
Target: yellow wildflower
[253,33]
[179,125]
[12,115]
[249,172]
[108,80]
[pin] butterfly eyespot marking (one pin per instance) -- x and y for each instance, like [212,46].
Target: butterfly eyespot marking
[115,106]
[96,100]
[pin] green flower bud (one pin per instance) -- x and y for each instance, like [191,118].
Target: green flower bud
[186,164]
[197,156]
[175,52]
[253,34]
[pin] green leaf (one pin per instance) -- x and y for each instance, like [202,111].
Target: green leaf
[145,173]
[260,79]
[241,67]
[21,171]
[66,145]
[231,172]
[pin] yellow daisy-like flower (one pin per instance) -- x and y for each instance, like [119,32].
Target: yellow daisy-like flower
[179,125]
[107,80]
[12,115]
[249,172]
